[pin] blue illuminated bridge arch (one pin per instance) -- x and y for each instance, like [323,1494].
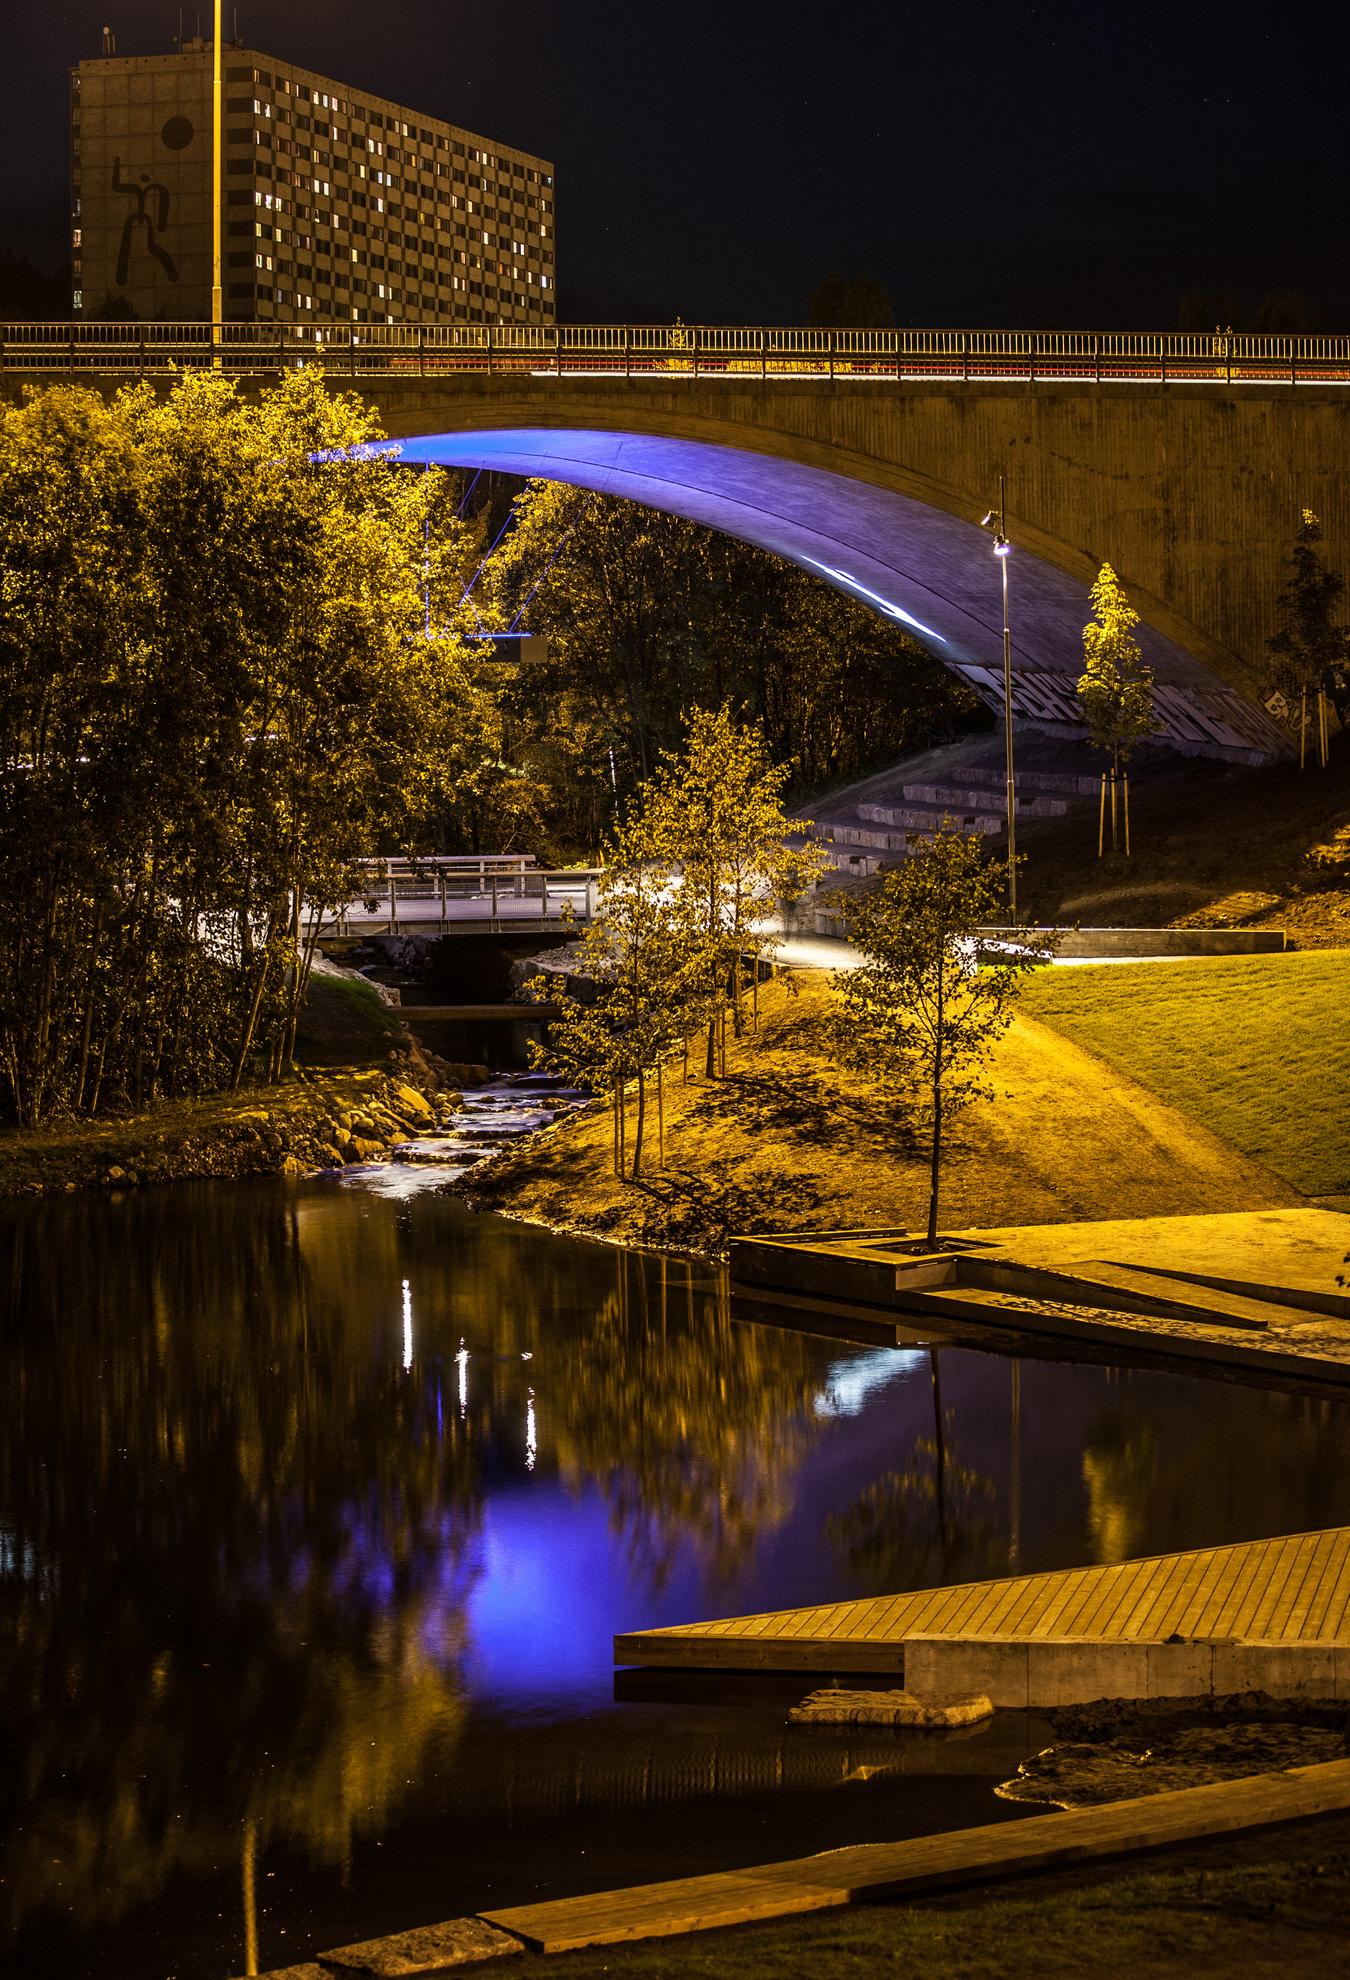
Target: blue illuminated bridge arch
[916,555]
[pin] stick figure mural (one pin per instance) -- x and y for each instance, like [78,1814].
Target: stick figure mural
[142,219]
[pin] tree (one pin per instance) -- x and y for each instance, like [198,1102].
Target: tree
[715,812]
[640,963]
[220,686]
[1310,653]
[920,1009]
[1116,693]
[644,616]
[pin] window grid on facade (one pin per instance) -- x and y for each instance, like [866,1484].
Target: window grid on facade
[349,199]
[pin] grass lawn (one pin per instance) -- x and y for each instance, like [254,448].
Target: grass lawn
[792,1139]
[1256,1048]
[1274,1903]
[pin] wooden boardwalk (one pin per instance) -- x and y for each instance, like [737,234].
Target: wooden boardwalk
[1284,1591]
[927,1863]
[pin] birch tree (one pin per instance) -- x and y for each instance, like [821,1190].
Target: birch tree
[1116,692]
[921,1012]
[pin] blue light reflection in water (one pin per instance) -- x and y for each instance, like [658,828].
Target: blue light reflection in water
[319,1512]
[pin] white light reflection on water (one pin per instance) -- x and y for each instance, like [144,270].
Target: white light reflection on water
[462,1363]
[531,1432]
[407,1325]
[850,1385]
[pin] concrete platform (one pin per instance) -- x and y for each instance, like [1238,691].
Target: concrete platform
[1267,1615]
[1248,1289]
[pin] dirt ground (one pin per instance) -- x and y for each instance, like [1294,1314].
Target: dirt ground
[792,1140]
[1212,845]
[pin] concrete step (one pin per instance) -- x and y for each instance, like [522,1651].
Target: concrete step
[1070,785]
[896,839]
[970,817]
[972,797]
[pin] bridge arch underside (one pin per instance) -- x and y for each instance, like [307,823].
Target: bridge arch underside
[912,560]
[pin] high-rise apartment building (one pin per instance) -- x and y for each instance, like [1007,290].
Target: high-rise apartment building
[339,206]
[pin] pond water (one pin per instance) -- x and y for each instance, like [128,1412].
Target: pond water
[319,1509]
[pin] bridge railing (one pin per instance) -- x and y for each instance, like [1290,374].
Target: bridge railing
[495,892]
[678,350]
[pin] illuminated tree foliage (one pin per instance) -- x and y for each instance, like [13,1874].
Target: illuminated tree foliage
[219,685]
[646,616]
[1115,690]
[715,812]
[640,965]
[918,1010]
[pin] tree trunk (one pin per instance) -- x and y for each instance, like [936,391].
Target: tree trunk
[246,1039]
[641,1123]
[939,1454]
[935,1160]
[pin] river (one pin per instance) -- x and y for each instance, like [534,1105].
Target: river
[319,1509]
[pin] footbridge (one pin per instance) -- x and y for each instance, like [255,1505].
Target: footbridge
[870,457]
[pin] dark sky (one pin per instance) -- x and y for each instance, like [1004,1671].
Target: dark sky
[1000,164]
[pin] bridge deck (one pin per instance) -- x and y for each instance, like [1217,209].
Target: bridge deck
[1295,1589]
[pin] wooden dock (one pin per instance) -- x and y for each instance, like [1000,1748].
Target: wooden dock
[1209,1619]
[929,1863]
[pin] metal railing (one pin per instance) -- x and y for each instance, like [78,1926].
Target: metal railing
[497,891]
[374,351]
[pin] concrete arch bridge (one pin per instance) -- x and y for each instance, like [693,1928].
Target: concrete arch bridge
[870,457]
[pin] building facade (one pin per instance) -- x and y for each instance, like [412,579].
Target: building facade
[339,206]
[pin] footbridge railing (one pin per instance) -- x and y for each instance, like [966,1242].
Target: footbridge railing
[678,350]
[438,894]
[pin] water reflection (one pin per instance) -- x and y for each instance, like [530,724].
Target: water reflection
[318,1512]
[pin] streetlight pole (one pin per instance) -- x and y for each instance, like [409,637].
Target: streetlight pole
[1002,549]
[217,179]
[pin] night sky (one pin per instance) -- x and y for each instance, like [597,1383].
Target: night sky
[1036,165]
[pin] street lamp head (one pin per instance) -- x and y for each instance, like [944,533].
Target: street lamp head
[994,520]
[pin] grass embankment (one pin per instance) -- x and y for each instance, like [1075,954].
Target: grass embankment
[359,1086]
[1256,1048]
[1266,1905]
[791,1139]
[1223,845]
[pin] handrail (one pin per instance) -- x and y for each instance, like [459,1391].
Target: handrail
[697,351]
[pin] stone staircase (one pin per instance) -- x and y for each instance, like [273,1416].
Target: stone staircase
[865,835]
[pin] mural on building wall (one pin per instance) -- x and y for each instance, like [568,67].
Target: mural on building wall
[146,222]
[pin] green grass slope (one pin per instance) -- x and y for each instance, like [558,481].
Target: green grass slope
[1256,1048]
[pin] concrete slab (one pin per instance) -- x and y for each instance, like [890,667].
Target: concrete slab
[837,1707]
[427,1949]
[1285,1670]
